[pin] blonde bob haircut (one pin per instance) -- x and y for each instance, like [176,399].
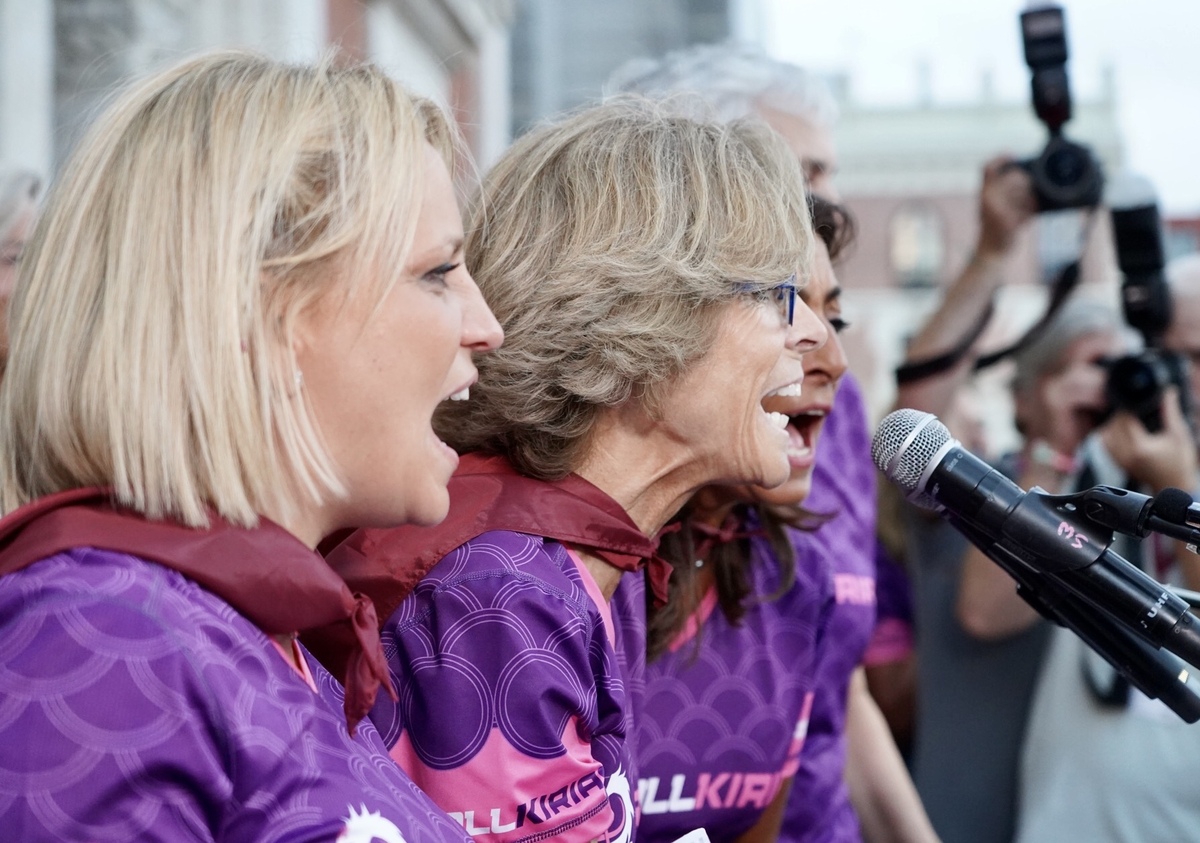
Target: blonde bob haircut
[608,245]
[152,327]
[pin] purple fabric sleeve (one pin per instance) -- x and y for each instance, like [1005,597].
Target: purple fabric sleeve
[892,638]
[819,807]
[512,711]
[136,705]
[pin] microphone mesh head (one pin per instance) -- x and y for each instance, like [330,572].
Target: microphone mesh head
[904,445]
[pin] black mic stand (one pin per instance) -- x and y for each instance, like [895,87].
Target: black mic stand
[1057,550]
[1067,537]
[1157,674]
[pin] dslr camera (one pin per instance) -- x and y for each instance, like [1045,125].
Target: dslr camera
[1136,382]
[1065,174]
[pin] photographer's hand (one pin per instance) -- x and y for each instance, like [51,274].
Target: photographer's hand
[1156,460]
[1159,460]
[1006,203]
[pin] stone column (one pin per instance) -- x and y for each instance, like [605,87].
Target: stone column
[27,84]
[101,43]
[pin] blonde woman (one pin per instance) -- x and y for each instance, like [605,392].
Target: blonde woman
[236,317]
[644,269]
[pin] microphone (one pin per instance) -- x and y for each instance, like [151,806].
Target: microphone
[1062,562]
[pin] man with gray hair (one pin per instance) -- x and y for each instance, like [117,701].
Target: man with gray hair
[735,81]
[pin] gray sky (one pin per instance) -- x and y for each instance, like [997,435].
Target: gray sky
[1152,45]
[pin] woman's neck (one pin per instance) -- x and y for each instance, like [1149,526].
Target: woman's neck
[650,478]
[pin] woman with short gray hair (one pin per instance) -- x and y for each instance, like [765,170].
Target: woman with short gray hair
[644,267]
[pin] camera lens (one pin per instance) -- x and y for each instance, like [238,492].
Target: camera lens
[1065,166]
[1136,383]
[1066,175]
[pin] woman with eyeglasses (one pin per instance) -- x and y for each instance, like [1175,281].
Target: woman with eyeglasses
[730,677]
[236,316]
[641,265]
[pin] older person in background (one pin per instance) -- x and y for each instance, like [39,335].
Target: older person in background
[735,82]
[980,644]
[19,190]
[221,350]
[1102,762]
[644,267]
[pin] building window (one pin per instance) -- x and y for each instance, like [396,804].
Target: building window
[1060,241]
[917,245]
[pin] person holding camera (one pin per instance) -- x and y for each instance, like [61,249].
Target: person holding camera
[1101,761]
[979,644]
[971,696]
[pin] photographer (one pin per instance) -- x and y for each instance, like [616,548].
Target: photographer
[979,644]
[1102,762]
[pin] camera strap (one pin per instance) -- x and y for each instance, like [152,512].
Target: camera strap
[927,368]
[1064,285]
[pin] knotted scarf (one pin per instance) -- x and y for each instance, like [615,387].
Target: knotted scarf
[486,494]
[265,573]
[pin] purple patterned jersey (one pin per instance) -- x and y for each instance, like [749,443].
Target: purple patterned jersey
[892,639]
[513,708]
[135,705]
[726,709]
[819,808]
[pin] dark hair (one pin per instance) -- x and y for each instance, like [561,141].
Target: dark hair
[834,224]
[728,556]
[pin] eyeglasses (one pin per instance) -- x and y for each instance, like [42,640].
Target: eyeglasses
[784,296]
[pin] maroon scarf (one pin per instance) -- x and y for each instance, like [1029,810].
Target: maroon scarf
[266,574]
[731,529]
[488,494]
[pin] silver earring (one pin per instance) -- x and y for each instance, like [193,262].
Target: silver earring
[299,377]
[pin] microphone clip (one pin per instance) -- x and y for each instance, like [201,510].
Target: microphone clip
[1171,513]
[1056,533]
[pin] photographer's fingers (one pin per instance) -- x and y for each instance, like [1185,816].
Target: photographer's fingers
[1164,458]
[1181,464]
[1006,202]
